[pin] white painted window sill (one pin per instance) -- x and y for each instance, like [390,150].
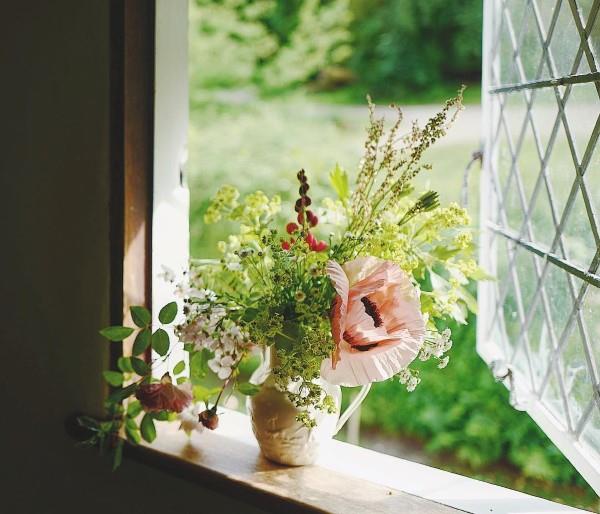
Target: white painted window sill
[346,479]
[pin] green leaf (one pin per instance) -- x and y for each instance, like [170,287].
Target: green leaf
[142,341]
[140,315]
[248,388]
[141,367]
[182,380]
[160,342]
[118,455]
[116,333]
[203,394]
[339,181]
[133,435]
[250,314]
[120,394]
[114,378]
[147,428]
[199,364]
[179,368]
[124,364]
[134,408]
[167,313]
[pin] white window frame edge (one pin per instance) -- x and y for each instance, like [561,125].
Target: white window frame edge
[170,214]
[489,350]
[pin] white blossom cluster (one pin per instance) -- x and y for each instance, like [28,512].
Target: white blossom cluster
[410,378]
[436,345]
[207,326]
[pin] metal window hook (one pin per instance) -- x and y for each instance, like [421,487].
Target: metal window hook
[477,155]
[503,372]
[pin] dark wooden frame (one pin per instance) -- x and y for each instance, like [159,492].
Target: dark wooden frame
[132,154]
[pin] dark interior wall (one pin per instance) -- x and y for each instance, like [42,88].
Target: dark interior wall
[54,278]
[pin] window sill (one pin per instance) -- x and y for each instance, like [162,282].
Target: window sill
[347,478]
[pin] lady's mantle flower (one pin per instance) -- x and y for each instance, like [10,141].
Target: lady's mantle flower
[377,324]
[163,396]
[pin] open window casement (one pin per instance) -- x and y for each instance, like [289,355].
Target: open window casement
[539,321]
[170,220]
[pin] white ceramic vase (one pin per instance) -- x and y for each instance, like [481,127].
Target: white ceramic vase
[281,437]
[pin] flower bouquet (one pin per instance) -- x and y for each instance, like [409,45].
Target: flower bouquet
[346,293]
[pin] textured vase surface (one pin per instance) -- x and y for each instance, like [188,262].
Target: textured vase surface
[281,437]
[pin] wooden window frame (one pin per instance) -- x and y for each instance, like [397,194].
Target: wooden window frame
[148,198]
[132,37]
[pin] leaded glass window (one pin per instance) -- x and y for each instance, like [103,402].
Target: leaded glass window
[539,323]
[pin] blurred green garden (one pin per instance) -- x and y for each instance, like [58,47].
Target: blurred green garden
[276,86]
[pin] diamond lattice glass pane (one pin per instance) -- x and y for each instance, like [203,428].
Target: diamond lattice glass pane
[530,47]
[577,378]
[540,343]
[582,110]
[592,179]
[565,41]
[591,317]
[577,234]
[506,52]
[557,288]
[544,215]
[553,398]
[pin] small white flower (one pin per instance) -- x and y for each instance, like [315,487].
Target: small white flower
[221,365]
[412,383]
[188,419]
[404,376]
[443,362]
[167,274]
[425,353]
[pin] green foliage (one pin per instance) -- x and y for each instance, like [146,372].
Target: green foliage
[339,181]
[114,378]
[413,44]
[140,315]
[140,366]
[247,388]
[160,342]
[147,428]
[142,341]
[116,333]
[275,45]
[179,368]
[167,314]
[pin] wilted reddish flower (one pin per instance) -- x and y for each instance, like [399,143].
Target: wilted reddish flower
[209,419]
[163,396]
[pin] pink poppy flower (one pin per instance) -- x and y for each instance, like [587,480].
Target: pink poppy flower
[376,322]
[163,396]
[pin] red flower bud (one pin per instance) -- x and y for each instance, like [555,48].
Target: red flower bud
[291,227]
[313,220]
[320,246]
[301,218]
[310,239]
[285,245]
[209,419]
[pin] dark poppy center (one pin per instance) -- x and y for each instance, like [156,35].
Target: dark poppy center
[372,310]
